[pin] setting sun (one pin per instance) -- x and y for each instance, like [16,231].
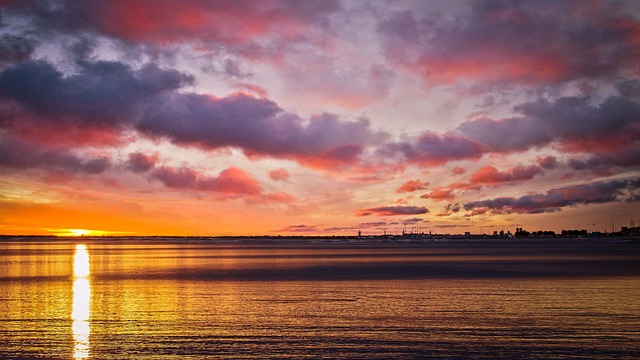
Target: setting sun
[80,232]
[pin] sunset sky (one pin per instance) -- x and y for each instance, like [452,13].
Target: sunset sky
[318,117]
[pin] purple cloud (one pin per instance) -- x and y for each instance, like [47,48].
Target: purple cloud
[629,157]
[556,199]
[19,154]
[139,162]
[257,126]
[112,97]
[489,175]
[232,181]
[393,211]
[572,121]
[505,43]
[430,149]
[102,94]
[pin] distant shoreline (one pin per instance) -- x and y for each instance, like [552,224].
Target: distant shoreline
[314,240]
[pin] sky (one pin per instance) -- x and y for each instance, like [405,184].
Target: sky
[304,117]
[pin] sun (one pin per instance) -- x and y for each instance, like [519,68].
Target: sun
[80,232]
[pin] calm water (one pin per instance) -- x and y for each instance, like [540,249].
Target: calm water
[493,299]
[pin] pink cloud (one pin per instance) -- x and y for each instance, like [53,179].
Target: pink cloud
[231,181]
[504,43]
[457,170]
[230,23]
[412,186]
[280,174]
[489,175]
[276,198]
[439,194]
[254,89]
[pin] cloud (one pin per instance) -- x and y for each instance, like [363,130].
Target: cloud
[432,149]
[412,186]
[258,126]
[228,23]
[19,154]
[300,228]
[573,122]
[450,209]
[506,43]
[547,162]
[486,176]
[440,193]
[350,87]
[102,94]
[489,175]
[280,174]
[15,48]
[139,162]
[393,211]
[626,158]
[111,97]
[231,181]
[555,199]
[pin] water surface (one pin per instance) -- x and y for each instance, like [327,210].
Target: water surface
[115,298]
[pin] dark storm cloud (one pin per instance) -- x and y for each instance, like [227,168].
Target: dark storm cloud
[556,199]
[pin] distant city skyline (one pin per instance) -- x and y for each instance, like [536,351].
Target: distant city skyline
[318,117]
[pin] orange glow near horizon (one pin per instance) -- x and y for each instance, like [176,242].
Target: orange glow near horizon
[81,232]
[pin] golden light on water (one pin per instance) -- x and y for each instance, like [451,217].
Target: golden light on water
[81,262]
[81,310]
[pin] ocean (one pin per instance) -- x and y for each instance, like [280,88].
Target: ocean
[180,298]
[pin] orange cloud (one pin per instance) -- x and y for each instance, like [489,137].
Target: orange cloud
[412,185]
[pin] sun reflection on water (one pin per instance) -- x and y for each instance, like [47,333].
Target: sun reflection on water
[81,310]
